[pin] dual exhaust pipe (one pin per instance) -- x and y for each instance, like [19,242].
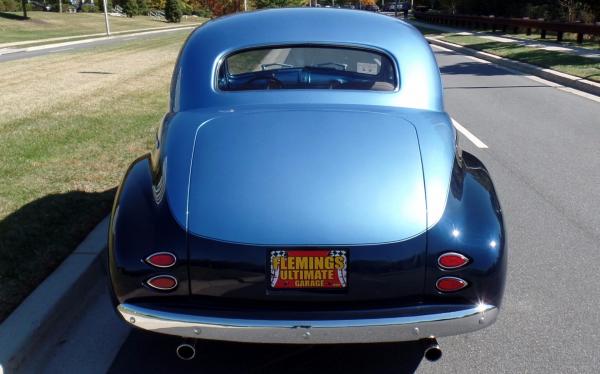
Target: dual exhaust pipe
[431,350]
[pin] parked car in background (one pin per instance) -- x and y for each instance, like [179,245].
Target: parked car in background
[307,187]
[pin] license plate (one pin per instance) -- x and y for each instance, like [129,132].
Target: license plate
[324,269]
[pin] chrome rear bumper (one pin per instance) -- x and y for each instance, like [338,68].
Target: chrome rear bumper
[372,330]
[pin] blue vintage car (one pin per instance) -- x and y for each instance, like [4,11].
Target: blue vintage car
[307,187]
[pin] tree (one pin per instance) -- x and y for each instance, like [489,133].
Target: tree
[279,3]
[109,5]
[130,8]
[220,7]
[173,11]
[142,7]
[450,5]
[24,5]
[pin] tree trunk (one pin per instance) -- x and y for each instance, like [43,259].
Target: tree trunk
[24,5]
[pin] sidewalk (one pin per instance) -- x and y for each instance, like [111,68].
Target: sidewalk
[507,38]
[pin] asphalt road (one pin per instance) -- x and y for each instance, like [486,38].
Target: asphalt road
[543,152]
[16,53]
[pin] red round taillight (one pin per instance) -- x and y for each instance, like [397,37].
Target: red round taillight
[450,284]
[161,259]
[162,282]
[452,260]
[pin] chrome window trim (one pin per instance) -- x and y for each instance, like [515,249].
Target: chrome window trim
[355,46]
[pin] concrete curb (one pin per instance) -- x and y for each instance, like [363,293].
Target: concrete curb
[548,74]
[52,300]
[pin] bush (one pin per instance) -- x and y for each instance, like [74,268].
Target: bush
[203,12]
[10,5]
[186,8]
[173,11]
[100,4]
[142,7]
[88,8]
[287,3]
[130,8]
[65,7]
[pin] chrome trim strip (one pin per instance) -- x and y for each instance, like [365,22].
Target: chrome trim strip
[372,330]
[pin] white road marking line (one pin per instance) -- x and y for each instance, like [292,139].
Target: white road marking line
[563,88]
[440,48]
[475,140]
[60,50]
[477,59]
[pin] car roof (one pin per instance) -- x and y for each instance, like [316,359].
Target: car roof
[195,74]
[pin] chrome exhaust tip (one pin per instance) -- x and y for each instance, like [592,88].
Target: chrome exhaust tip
[431,351]
[186,351]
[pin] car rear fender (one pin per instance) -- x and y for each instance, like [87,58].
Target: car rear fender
[473,225]
[142,224]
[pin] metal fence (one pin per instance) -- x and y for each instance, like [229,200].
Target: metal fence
[512,24]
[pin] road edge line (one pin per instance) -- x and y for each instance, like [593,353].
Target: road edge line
[60,292]
[548,74]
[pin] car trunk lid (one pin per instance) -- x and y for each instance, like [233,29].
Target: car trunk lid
[319,177]
[311,180]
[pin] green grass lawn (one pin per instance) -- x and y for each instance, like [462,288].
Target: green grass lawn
[43,25]
[583,67]
[67,135]
[567,63]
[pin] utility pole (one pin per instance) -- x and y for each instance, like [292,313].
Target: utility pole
[106,17]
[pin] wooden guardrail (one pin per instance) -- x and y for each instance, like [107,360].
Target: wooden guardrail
[504,24]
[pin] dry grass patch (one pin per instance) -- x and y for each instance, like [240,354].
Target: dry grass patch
[43,25]
[67,135]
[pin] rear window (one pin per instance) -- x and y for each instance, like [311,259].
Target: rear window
[307,67]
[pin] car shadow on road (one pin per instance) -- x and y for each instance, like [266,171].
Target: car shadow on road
[144,352]
[474,68]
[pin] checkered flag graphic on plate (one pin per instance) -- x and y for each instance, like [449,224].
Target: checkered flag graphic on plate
[341,272]
[275,272]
